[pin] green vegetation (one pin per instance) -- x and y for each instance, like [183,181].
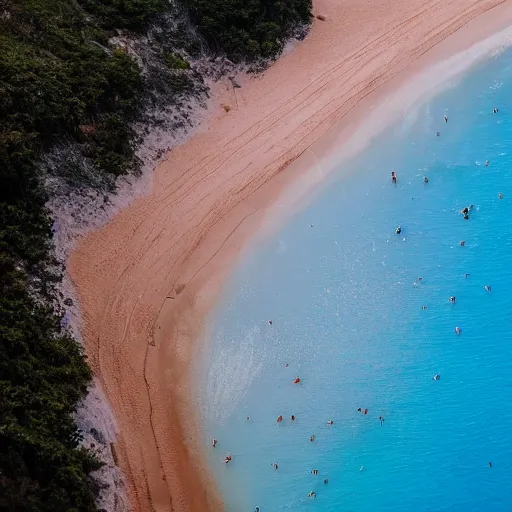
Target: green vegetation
[57,81]
[175,61]
[61,81]
[248,28]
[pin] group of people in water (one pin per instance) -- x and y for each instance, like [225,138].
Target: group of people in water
[364,411]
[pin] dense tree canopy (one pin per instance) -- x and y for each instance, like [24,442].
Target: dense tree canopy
[60,80]
[247,29]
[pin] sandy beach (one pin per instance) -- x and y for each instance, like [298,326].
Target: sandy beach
[147,279]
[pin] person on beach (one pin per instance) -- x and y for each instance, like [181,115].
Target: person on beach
[312,438]
[382,420]
[425,179]
[452,299]
[330,422]
[393,177]
[398,230]
[227,459]
[296,380]
[214,442]
[457,331]
[280,418]
[445,119]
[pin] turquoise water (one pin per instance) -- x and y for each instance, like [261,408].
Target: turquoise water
[341,289]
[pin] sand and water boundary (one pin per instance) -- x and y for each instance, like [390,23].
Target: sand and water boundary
[147,279]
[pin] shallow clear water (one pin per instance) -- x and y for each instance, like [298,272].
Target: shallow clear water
[347,318]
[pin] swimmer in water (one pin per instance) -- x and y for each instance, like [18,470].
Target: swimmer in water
[465,210]
[365,411]
[359,409]
[420,279]
[330,422]
[438,134]
[362,468]
[393,177]
[486,163]
[296,380]
[462,243]
[398,230]
[466,275]
[466,216]
[445,119]
[495,110]
[214,442]
[500,196]
[423,307]
[490,464]
[280,418]
[314,472]
[425,179]
[293,417]
[452,299]
[257,509]
[382,420]
[270,322]
[275,465]
[457,331]
[312,494]
[326,481]
[227,459]
[312,438]
[436,377]
[487,288]
[248,418]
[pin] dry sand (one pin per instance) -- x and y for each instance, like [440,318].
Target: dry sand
[146,280]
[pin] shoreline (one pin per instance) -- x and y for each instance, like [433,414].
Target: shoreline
[147,279]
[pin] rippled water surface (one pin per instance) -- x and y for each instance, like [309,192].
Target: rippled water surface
[341,289]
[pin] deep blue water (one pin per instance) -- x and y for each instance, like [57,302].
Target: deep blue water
[347,317]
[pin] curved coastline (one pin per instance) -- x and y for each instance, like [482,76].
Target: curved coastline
[146,280]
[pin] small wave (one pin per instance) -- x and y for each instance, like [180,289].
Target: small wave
[232,369]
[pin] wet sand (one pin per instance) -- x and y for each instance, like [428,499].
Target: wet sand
[146,280]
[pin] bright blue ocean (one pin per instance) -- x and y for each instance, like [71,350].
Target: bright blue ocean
[347,318]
